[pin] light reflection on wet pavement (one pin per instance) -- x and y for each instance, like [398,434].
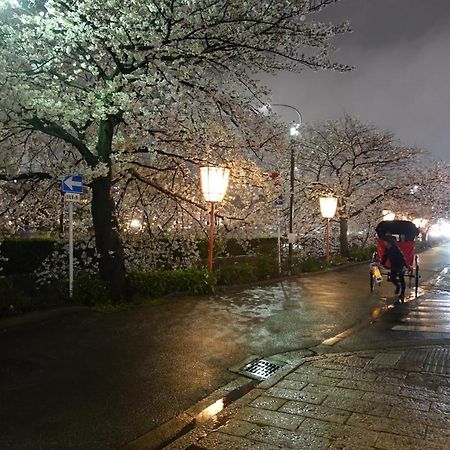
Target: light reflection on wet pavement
[102,380]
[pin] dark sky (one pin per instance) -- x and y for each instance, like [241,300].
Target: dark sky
[401,51]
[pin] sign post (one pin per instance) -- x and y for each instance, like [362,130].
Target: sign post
[72,187]
[279,202]
[70,207]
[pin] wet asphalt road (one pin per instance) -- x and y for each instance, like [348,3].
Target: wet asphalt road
[97,381]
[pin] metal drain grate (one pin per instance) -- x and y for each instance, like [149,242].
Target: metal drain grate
[260,369]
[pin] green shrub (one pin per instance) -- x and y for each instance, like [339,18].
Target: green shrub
[239,273]
[164,282]
[234,247]
[312,264]
[89,289]
[266,267]
[14,300]
[337,260]
[361,254]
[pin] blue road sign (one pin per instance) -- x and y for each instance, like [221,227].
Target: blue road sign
[72,184]
[279,201]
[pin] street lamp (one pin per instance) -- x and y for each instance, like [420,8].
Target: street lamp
[294,131]
[328,209]
[135,224]
[214,183]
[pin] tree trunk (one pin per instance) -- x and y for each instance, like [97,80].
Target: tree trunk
[343,237]
[107,239]
[106,225]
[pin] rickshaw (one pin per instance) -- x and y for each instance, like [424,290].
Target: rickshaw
[405,233]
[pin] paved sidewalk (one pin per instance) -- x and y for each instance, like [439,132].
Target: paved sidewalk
[394,400]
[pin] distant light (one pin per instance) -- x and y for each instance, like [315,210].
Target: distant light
[135,224]
[388,215]
[420,222]
[264,110]
[295,129]
[441,229]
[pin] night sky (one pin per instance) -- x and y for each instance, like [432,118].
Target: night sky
[401,82]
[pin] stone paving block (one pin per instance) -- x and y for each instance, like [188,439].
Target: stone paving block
[386,360]
[388,441]
[221,441]
[312,378]
[350,374]
[324,364]
[385,379]
[440,420]
[289,383]
[394,400]
[427,380]
[344,435]
[267,402]
[423,394]
[273,418]
[438,435]
[393,373]
[333,390]
[370,386]
[348,444]
[289,439]
[352,360]
[316,411]
[388,425]
[309,397]
[277,376]
[309,369]
[360,406]
[441,407]
[444,390]
[237,427]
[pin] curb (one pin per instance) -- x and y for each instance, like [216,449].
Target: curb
[184,431]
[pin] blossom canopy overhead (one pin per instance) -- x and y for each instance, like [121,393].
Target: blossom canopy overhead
[130,89]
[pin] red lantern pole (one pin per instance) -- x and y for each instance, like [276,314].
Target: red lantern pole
[211,238]
[328,240]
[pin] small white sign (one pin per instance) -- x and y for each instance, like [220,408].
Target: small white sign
[68,197]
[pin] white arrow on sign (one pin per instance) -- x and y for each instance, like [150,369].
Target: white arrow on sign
[71,183]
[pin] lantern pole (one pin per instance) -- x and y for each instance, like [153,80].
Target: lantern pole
[211,236]
[328,239]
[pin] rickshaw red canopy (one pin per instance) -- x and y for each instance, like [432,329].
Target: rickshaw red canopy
[405,233]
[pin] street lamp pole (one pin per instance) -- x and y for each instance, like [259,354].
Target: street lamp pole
[214,184]
[211,236]
[294,131]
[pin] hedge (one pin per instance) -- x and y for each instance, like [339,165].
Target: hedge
[161,283]
[24,255]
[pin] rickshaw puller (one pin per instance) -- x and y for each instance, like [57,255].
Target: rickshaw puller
[398,264]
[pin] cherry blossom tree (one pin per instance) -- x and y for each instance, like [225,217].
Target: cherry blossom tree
[356,162]
[109,88]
